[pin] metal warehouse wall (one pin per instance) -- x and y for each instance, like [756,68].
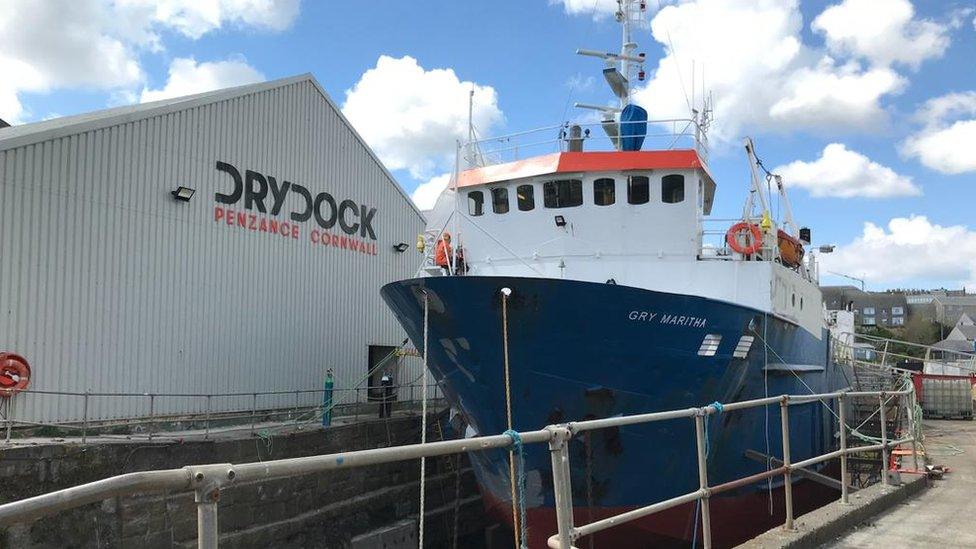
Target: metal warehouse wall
[107,283]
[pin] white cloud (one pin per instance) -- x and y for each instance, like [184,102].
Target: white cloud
[194,18]
[768,78]
[97,44]
[841,172]
[911,249]
[425,195]
[597,8]
[882,31]
[828,96]
[59,44]
[413,117]
[187,77]
[948,136]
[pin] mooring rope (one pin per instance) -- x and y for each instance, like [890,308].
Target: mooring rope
[423,423]
[518,450]
[517,528]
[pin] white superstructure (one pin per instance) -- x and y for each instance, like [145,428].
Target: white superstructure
[638,218]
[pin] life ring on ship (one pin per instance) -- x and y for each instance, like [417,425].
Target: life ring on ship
[15,374]
[731,237]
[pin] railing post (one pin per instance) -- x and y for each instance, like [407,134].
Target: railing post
[910,404]
[700,420]
[784,408]
[206,434]
[84,420]
[295,412]
[562,488]
[10,418]
[206,494]
[152,413]
[254,410]
[842,421]
[884,439]
[207,534]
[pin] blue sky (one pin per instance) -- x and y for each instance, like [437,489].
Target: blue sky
[857,75]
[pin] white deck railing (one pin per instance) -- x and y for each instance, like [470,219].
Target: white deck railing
[665,134]
[207,481]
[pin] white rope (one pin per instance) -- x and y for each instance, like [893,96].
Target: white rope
[423,425]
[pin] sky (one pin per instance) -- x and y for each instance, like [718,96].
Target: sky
[867,108]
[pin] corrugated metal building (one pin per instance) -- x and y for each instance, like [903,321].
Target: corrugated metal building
[266,277]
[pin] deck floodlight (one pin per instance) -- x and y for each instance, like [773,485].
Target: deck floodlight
[827,248]
[183,194]
[401,247]
[560,221]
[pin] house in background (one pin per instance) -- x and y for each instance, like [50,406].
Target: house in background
[949,308]
[962,338]
[887,309]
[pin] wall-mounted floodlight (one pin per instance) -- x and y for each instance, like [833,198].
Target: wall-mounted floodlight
[182,193]
[401,247]
[827,248]
[560,221]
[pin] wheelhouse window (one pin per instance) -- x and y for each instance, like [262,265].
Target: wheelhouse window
[476,203]
[526,197]
[673,189]
[604,191]
[563,193]
[499,200]
[638,189]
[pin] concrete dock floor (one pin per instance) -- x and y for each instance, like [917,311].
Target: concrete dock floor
[941,516]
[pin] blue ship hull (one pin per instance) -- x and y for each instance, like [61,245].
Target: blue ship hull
[580,350]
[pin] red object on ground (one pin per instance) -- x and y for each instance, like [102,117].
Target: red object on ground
[15,374]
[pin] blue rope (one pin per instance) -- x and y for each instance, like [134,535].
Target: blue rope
[718,410]
[519,451]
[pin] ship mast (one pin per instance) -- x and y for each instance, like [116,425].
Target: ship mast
[620,67]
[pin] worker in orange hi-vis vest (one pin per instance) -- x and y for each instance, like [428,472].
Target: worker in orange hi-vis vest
[443,254]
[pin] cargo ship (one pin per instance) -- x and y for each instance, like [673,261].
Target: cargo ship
[589,282]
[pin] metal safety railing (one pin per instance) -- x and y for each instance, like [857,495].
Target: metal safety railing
[661,134]
[281,406]
[870,350]
[207,481]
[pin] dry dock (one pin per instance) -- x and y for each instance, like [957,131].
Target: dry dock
[941,516]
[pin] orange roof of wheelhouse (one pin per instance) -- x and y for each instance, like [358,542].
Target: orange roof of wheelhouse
[574,162]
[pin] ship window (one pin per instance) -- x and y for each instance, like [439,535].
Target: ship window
[526,197]
[709,345]
[604,192]
[564,193]
[499,200]
[638,189]
[673,189]
[476,203]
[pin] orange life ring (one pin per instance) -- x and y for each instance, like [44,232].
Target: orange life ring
[15,374]
[733,241]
